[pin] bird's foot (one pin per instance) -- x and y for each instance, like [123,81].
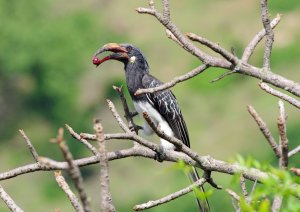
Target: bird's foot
[160,154]
[135,128]
[133,114]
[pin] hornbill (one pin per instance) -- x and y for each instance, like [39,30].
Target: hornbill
[161,106]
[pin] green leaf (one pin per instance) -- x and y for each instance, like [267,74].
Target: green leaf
[246,207]
[264,206]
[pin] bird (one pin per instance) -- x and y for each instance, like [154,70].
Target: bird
[161,106]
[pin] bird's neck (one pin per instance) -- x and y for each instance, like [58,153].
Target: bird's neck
[134,77]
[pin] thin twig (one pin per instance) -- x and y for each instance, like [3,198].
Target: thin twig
[174,81]
[81,140]
[106,198]
[89,136]
[233,194]
[224,75]
[283,137]
[65,187]
[283,144]
[172,37]
[294,151]
[243,186]
[166,10]
[30,146]
[215,47]
[151,4]
[265,130]
[128,115]
[170,197]
[257,38]
[113,109]
[73,170]
[235,199]
[9,201]
[235,205]
[280,95]
[269,34]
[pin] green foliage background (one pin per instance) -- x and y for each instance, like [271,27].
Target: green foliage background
[47,80]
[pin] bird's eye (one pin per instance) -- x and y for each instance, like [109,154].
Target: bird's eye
[129,48]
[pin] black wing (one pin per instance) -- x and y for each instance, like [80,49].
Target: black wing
[166,104]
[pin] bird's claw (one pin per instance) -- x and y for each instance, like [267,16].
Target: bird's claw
[160,154]
[135,128]
[133,114]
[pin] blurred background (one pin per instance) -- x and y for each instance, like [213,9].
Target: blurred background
[47,79]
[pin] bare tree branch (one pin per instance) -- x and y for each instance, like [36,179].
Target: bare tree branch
[9,201]
[128,114]
[73,170]
[265,130]
[30,146]
[280,95]
[151,4]
[233,194]
[235,199]
[269,34]
[242,67]
[82,140]
[166,10]
[170,197]
[214,46]
[172,37]
[294,151]
[243,186]
[283,137]
[224,75]
[208,163]
[106,198]
[112,108]
[257,38]
[65,187]
[283,144]
[174,81]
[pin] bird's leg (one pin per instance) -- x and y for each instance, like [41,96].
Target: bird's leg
[133,114]
[132,126]
[160,154]
[135,128]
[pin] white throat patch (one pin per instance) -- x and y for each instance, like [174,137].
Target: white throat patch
[132,59]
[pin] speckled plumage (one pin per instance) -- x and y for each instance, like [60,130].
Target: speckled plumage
[164,102]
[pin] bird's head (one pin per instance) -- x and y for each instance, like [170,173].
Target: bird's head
[126,53]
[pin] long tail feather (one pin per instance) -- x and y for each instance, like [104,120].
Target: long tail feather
[202,203]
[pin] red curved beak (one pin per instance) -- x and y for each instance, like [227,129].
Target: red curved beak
[113,47]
